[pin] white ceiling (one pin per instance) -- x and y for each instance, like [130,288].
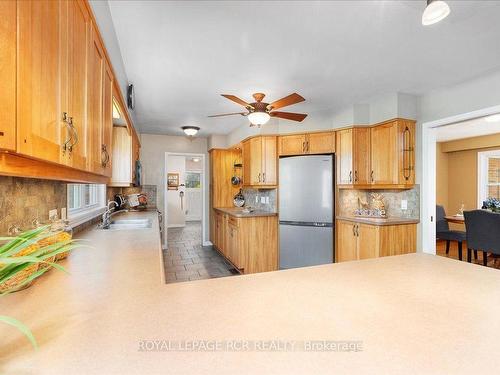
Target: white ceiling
[180,55]
[467,129]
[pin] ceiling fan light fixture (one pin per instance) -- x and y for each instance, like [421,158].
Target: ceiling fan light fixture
[258,118]
[190,131]
[436,10]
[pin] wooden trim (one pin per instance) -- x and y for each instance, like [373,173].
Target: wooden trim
[376,186]
[18,166]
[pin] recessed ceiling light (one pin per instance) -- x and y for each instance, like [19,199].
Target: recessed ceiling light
[436,10]
[493,118]
[190,130]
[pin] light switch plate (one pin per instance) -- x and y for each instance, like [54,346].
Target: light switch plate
[64,214]
[256,199]
[53,214]
[267,200]
[263,200]
[404,204]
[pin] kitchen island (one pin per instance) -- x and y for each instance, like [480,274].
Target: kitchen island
[415,313]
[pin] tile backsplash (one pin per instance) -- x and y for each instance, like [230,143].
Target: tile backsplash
[149,190]
[253,199]
[24,199]
[348,201]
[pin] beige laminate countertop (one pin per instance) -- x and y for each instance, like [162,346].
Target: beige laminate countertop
[411,314]
[377,221]
[238,212]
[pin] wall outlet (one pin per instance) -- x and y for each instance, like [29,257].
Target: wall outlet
[267,200]
[64,214]
[263,200]
[256,199]
[53,214]
[404,204]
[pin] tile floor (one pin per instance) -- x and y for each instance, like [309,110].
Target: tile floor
[185,259]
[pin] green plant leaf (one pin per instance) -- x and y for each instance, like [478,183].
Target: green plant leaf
[21,327]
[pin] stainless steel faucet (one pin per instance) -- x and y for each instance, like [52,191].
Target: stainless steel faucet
[106,216]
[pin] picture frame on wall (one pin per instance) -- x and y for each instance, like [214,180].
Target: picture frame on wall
[173,181]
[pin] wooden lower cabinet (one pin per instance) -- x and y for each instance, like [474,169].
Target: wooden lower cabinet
[357,241]
[249,243]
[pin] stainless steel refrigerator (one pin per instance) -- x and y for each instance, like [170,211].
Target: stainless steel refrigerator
[306,210]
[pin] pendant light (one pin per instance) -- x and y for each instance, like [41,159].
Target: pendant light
[258,117]
[436,10]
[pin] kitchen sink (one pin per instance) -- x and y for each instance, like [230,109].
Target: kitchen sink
[130,224]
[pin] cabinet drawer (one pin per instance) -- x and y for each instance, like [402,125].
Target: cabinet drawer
[234,221]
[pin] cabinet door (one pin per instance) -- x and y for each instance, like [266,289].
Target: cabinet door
[292,144]
[122,157]
[368,241]
[40,129]
[384,155]
[321,143]
[406,150]
[234,253]
[95,114]
[8,24]
[344,157]
[252,161]
[361,156]
[135,154]
[269,161]
[107,125]
[346,241]
[78,43]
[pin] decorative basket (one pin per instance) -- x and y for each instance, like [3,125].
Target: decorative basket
[21,277]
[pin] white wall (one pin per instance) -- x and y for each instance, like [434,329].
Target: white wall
[176,216]
[153,149]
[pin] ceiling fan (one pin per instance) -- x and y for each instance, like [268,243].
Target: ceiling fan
[259,112]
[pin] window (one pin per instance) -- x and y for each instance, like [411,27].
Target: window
[193,180]
[488,175]
[85,201]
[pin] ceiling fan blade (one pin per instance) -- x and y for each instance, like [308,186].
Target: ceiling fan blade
[237,100]
[289,115]
[287,100]
[229,114]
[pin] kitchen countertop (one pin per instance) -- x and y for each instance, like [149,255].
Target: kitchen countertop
[379,221]
[103,318]
[237,212]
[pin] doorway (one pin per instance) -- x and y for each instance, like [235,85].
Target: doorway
[460,136]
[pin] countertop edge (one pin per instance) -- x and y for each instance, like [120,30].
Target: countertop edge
[257,213]
[379,222]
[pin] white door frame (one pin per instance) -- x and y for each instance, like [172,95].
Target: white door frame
[429,172]
[203,191]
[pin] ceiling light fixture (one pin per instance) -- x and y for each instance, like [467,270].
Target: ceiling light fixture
[436,10]
[493,118]
[196,160]
[258,117]
[190,130]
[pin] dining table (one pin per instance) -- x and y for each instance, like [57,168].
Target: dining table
[456,219]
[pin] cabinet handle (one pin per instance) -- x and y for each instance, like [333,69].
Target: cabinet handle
[73,130]
[259,177]
[357,230]
[67,142]
[355,176]
[104,151]
[350,176]
[354,230]
[307,146]
[303,147]
[371,176]
[264,177]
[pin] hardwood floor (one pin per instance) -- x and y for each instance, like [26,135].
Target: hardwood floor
[441,250]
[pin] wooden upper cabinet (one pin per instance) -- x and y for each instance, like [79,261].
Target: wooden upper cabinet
[269,161]
[78,36]
[40,129]
[344,157]
[384,154]
[8,24]
[361,156]
[107,125]
[292,144]
[303,144]
[321,143]
[95,114]
[260,161]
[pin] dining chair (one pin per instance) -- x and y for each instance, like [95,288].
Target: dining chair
[443,231]
[482,233]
